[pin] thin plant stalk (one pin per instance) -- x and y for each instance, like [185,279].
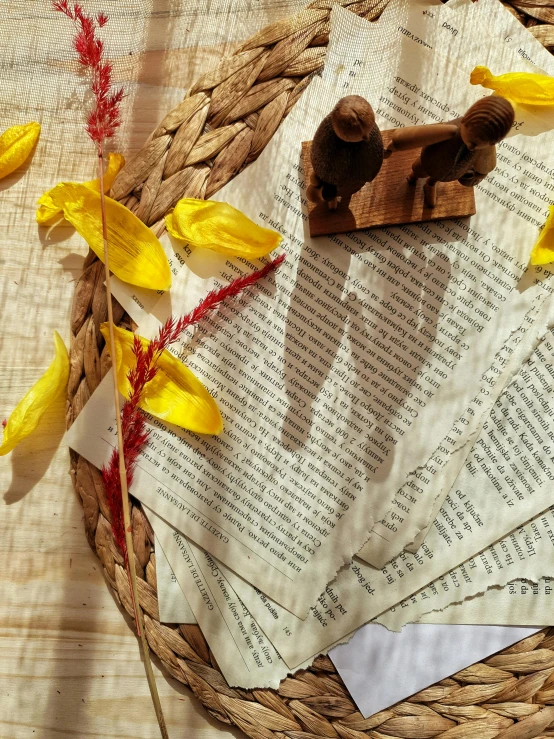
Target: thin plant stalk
[130,559]
[102,122]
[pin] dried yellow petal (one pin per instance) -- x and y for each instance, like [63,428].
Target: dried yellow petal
[136,256]
[519,87]
[219,226]
[115,163]
[175,394]
[15,146]
[543,251]
[28,412]
[47,209]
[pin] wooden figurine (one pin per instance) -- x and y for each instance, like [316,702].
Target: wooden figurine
[347,151]
[463,149]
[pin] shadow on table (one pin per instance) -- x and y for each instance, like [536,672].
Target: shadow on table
[31,458]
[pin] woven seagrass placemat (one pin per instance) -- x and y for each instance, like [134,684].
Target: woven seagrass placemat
[226,120]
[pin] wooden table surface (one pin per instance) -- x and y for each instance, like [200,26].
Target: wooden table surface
[69,664]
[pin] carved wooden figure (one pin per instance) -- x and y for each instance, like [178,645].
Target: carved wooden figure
[463,149]
[347,151]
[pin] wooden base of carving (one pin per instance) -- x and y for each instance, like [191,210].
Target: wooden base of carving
[389,200]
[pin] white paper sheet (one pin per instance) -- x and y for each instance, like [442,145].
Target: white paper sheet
[380,667]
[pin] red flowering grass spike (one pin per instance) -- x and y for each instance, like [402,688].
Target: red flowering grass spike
[133,443]
[135,434]
[104,119]
[214,298]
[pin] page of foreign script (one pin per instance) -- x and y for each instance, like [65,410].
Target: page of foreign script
[353,50]
[518,602]
[501,484]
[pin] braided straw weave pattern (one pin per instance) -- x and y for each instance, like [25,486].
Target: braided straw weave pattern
[223,124]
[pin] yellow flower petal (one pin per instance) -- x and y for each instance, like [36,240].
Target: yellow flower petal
[28,412]
[136,255]
[15,146]
[219,226]
[175,394]
[543,251]
[519,87]
[48,209]
[115,163]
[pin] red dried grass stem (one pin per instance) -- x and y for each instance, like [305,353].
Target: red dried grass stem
[133,420]
[104,119]
[102,122]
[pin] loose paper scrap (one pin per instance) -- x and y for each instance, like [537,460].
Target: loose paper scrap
[503,26]
[138,302]
[380,667]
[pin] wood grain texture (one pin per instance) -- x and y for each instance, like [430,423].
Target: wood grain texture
[389,200]
[70,665]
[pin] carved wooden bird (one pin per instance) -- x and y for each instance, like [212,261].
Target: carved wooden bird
[463,149]
[347,152]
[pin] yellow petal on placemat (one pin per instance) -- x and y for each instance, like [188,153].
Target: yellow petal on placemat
[136,256]
[115,163]
[525,88]
[175,394]
[28,412]
[48,209]
[543,251]
[15,146]
[220,227]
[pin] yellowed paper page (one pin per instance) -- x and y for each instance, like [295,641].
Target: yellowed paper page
[244,654]
[172,603]
[519,602]
[498,484]
[355,71]
[501,24]
[527,553]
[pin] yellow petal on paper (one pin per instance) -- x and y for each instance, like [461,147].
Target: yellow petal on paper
[47,209]
[171,230]
[219,226]
[525,88]
[28,412]
[15,146]
[175,394]
[136,256]
[543,251]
